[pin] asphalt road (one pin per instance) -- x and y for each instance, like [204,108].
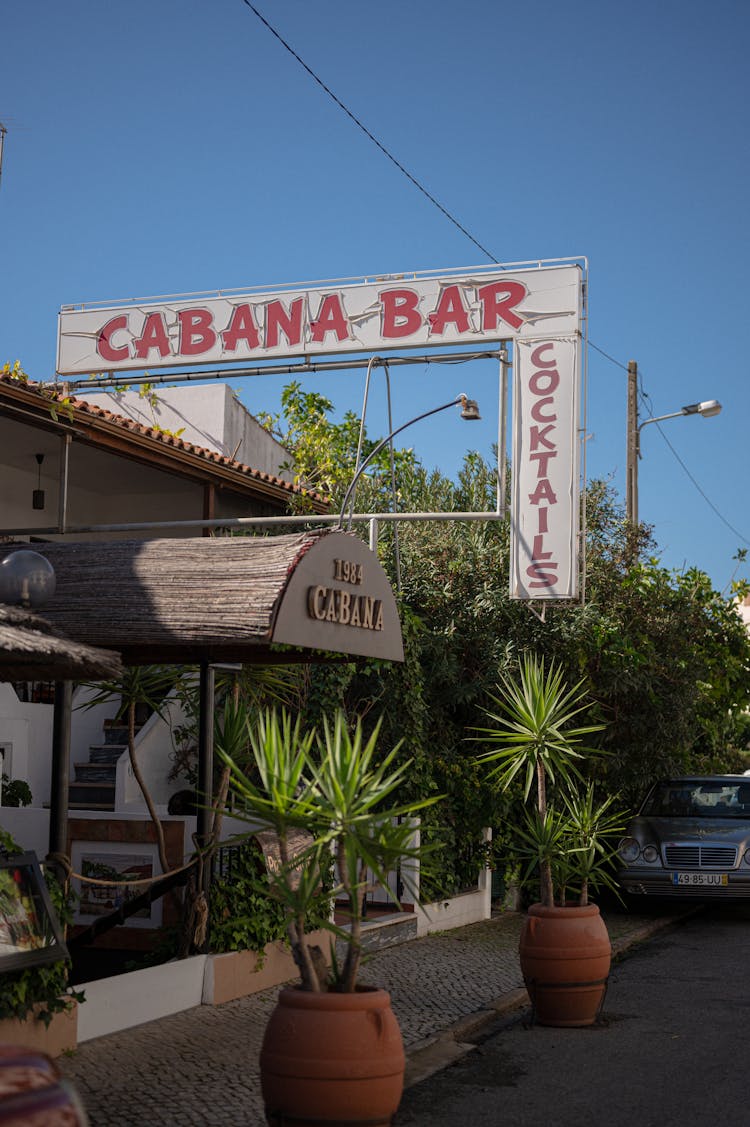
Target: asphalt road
[671,1049]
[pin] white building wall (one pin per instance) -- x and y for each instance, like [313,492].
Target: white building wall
[208,415]
[26,729]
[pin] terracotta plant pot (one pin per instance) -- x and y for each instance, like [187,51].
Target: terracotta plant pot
[565,959]
[332,1058]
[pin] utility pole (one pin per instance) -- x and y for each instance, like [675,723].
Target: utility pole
[3,131]
[631,485]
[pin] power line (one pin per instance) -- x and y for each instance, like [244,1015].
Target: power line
[444,211]
[705,497]
[607,355]
[371,136]
[646,398]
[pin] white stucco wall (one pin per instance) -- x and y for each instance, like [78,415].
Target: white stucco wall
[27,730]
[153,749]
[209,415]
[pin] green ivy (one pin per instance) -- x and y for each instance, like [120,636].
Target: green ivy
[243,915]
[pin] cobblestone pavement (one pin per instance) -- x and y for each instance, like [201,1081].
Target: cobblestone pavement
[200,1067]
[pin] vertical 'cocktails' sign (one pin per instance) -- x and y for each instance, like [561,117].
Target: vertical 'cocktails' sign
[545,501]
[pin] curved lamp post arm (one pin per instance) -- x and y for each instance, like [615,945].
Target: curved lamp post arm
[707,409]
[469,410]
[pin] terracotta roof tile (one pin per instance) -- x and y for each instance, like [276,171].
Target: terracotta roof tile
[167,439]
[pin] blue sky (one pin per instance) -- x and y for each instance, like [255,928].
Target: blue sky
[171,147]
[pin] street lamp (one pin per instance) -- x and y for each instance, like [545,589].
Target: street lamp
[469,411]
[708,408]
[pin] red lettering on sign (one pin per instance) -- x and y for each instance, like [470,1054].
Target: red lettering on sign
[539,574]
[538,437]
[536,411]
[241,327]
[288,321]
[331,319]
[154,335]
[400,316]
[544,383]
[450,311]
[536,356]
[543,492]
[104,346]
[543,458]
[196,332]
[499,299]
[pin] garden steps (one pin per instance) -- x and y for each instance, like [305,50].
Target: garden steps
[93,785]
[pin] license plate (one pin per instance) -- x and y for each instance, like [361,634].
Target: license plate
[700,880]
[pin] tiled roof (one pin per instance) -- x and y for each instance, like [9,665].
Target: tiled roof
[163,437]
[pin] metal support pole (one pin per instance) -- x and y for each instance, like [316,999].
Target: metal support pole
[205,760]
[303,368]
[373,526]
[58,799]
[62,501]
[631,484]
[502,437]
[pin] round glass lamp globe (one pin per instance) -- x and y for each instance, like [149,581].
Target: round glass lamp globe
[26,579]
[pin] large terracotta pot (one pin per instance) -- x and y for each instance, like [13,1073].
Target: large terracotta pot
[565,959]
[332,1058]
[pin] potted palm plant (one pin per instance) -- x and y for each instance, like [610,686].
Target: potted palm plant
[332,1051]
[536,734]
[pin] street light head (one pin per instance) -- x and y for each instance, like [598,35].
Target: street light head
[707,408]
[469,409]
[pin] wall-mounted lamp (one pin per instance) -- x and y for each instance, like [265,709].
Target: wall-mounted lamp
[37,498]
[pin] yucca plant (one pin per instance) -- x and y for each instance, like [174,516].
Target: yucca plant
[535,734]
[578,841]
[338,788]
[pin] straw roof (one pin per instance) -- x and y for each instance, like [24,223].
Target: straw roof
[212,598]
[32,650]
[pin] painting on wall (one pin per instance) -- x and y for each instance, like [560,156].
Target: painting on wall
[30,933]
[114,874]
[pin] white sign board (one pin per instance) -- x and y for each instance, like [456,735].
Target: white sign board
[545,499]
[471,306]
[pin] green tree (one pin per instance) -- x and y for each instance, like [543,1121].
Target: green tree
[323,452]
[663,656]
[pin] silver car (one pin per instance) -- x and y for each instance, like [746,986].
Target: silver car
[691,837]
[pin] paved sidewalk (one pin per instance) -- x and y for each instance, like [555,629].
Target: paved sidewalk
[200,1067]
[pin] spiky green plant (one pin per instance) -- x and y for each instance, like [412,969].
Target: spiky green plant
[338,788]
[534,734]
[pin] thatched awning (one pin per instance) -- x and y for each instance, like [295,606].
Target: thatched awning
[31,650]
[225,598]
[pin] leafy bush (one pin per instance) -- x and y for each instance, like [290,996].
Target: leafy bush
[15,792]
[243,914]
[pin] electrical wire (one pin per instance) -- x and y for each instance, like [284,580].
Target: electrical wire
[386,152]
[648,403]
[607,355]
[705,497]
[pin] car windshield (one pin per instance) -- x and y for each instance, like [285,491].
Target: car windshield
[699,800]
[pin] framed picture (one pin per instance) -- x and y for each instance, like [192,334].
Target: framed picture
[111,868]
[30,932]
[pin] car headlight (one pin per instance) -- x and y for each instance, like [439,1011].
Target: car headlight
[629,850]
[747,857]
[650,853]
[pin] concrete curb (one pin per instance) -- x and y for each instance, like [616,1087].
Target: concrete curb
[435,1053]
